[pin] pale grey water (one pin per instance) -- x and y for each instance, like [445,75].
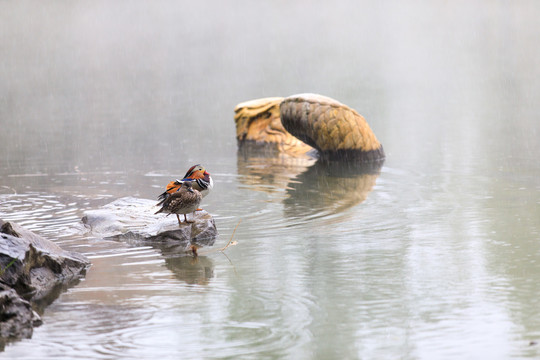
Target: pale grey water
[100,100]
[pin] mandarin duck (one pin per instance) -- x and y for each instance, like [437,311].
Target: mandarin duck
[199,178]
[185,200]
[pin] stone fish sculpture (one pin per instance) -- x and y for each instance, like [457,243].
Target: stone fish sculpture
[300,123]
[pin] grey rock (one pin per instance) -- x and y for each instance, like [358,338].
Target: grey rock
[17,318]
[133,220]
[33,273]
[33,265]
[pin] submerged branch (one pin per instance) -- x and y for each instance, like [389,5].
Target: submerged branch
[231,243]
[193,250]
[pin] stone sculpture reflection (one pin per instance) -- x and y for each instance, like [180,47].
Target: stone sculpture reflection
[321,151]
[312,186]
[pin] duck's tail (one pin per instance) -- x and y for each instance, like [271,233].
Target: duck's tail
[162,198]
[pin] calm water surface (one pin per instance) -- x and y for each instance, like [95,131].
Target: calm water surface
[434,255]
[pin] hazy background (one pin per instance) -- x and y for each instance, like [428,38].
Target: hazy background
[120,84]
[105,99]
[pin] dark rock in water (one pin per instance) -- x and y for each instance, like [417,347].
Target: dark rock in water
[33,272]
[17,318]
[133,219]
[33,265]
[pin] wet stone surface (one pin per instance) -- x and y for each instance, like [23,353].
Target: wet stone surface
[33,273]
[17,318]
[134,220]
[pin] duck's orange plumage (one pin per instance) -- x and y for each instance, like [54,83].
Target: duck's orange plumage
[199,178]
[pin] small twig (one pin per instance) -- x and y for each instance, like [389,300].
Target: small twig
[230,262]
[230,240]
[10,188]
[230,243]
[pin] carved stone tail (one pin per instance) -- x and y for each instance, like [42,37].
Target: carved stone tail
[331,127]
[299,123]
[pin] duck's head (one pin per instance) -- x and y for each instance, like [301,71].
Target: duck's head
[192,170]
[196,172]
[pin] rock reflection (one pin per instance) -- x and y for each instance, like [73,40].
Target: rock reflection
[191,270]
[187,268]
[312,186]
[39,305]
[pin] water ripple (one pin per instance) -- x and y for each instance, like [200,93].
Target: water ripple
[56,217]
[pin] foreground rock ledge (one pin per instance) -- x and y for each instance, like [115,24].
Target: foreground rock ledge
[33,273]
[133,219]
[18,317]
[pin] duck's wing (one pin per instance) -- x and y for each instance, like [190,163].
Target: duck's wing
[172,187]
